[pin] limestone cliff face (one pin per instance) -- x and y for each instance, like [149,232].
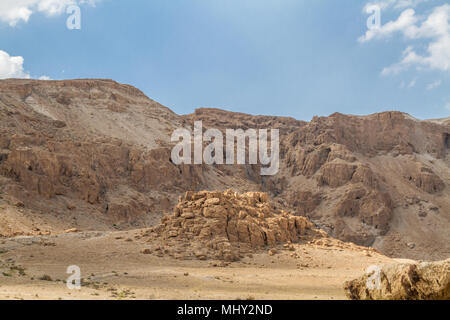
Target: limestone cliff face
[89,147]
[355,176]
[95,154]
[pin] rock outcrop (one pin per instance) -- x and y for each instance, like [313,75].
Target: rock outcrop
[403,281]
[226,226]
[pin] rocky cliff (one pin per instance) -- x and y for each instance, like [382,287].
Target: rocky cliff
[96,154]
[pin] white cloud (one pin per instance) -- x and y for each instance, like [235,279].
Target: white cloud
[433,85]
[11,67]
[435,29]
[448,106]
[405,23]
[15,11]
[409,58]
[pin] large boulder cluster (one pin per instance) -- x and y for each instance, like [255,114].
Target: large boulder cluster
[226,226]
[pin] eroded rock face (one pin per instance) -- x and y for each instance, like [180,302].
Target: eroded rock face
[307,161]
[100,149]
[90,148]
[226,225]
[403,281]
[378,133]
[427,180]
[304,202]
[366,176]
[336,174]
[372,207]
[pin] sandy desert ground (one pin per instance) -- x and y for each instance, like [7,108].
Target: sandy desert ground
[113,267]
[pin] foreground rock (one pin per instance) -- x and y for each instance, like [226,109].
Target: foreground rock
[226,226]
[406,281]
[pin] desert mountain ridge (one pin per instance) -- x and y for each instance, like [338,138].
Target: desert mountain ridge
[95,155]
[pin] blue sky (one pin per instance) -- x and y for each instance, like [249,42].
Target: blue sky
[279,57]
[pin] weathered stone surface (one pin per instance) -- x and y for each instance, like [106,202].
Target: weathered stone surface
[372,208]
[231,225]
[403,281]
[427,180]
[366,176]
[336,174]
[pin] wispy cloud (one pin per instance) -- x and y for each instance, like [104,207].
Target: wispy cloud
[411,84]
[434,84]
[14,11]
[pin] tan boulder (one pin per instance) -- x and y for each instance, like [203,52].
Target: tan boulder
[403,281]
